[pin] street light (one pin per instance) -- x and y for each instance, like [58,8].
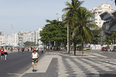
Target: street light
[38,44]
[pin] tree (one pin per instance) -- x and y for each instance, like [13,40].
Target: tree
[84,25]
[96,39]
[71,10]
[28,43]
[54,32]
[113,35]
[107,40]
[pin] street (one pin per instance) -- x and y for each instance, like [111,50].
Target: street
[16,64]
[94,63]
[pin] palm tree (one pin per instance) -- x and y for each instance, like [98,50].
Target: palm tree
[84,25]
[113,35]
[71,10]
[107,40]
[52,22]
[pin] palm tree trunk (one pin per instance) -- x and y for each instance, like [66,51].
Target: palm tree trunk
[69,40]
[82,49]
[68,50]
[74,46]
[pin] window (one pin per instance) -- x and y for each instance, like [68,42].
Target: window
[99,12]
[95,19]
[95,12]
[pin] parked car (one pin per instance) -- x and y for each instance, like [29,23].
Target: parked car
[114,48]
[87,48]
[104,49]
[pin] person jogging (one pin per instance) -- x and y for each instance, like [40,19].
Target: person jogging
[35,57]
[2,53]
[5,53]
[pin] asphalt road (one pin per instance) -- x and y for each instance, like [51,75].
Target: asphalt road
[109,54]
[16,64]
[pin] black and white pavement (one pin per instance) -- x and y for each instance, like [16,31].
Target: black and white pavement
[60,64]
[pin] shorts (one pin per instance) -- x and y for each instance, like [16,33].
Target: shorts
[5,53]
[2,54]
[35,60]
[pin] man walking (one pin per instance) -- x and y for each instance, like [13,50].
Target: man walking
[2,53]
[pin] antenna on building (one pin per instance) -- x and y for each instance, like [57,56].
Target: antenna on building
[57,15]
[12,28]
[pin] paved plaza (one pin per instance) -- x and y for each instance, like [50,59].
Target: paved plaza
[60,64]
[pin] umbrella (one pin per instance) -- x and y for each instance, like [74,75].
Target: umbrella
[6,45]
[9,45]
[16,46]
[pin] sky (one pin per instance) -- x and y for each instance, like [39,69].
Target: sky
[29,15]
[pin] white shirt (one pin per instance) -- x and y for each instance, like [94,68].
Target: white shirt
[34,55]
[5,50]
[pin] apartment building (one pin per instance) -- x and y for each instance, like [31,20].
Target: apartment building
[37,36]
[97,11]
[29,36]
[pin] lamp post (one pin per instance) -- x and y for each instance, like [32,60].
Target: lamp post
[38,44]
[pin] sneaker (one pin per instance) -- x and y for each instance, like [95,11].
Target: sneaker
[33,70]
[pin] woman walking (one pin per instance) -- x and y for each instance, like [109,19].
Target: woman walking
[5,53]
[35,57]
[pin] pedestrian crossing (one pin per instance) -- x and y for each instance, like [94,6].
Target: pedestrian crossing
[85,66]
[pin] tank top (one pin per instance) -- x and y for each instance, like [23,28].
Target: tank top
[34,55]
[5,50]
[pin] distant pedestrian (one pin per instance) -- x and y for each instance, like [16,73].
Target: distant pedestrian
[11,49]
[18,49]
[31,49]
[42,50]
[35,57]
[28,49]
[37,49]
[5,53]
[2,53]
[23,50]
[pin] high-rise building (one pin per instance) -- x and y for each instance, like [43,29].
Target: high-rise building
[110,25]
[20,38]
[97,11]
[37,36]
[29,36]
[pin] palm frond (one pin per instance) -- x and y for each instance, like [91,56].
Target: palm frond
[75,32]
[92,25]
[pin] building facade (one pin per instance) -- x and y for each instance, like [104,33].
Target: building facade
[97,11]
[21,37]
[109,25]
[37,36]
[29,36]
